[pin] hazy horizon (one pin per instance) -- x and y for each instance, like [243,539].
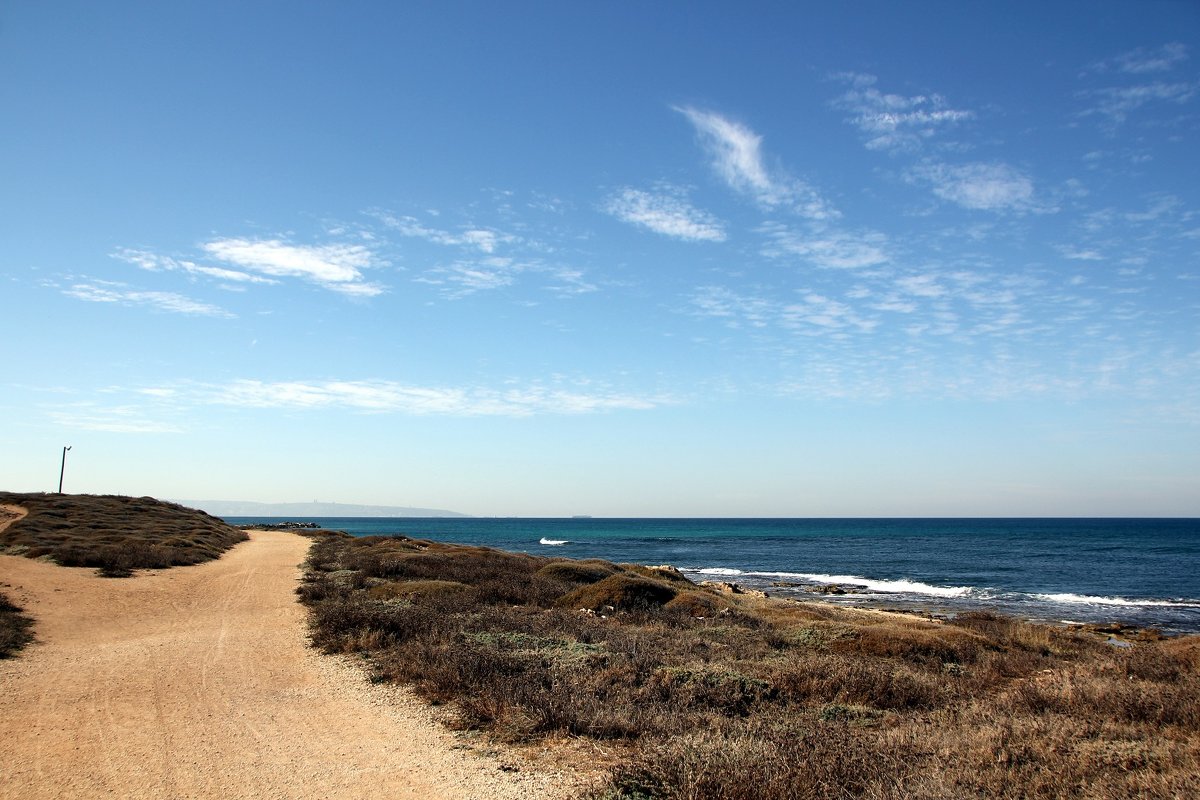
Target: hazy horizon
[535,259]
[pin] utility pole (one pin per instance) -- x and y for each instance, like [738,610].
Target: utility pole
[63,469]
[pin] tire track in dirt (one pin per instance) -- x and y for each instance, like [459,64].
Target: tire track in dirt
[198,682]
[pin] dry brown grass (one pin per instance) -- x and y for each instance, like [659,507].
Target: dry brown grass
[712,695]
[114,534]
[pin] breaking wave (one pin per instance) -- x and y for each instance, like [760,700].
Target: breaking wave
[1090,600]
[869,584]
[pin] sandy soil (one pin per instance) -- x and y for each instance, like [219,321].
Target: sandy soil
[198,682]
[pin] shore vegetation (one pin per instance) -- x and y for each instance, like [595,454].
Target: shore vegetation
[700,691]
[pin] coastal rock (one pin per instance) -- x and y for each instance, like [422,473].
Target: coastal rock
[831,588]
[1120,632]
[726,587]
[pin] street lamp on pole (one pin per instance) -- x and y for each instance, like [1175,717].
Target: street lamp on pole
[63,469]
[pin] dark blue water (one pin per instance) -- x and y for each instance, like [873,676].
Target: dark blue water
[1140,571]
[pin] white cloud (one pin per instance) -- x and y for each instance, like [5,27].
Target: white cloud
[485,240]
[736,153]
[667,214]
[813,314]
[336,266]
[926,285]
[392,397]
[1080,254]
[463,278]
[1143,60]
[892,121]
[154,262]
[737,157]
[895,305]
[1162,205]
[1117,103]
[824,313]
[569,281]
[982,186]
[117,419]
[832,249]
[734,309]
[106,292]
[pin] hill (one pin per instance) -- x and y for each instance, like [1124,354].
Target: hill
[114,533]
[246,508]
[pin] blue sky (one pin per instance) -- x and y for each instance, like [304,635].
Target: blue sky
[558,258]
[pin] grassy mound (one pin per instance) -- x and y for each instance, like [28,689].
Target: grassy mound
[699,694]
[114,534]
[620,593]
[578,572]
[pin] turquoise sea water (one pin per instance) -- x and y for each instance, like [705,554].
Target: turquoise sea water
[1140,571]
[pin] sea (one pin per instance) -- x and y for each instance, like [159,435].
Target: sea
[1139,572]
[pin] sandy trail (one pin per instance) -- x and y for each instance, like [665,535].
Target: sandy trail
[197,682]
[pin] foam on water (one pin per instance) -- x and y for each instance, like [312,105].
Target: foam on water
[895,587]
[553,542]
[1083,599]
[870,584]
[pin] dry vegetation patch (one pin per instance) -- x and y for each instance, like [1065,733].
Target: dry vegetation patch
[114,534]
[16,629]
[706,694]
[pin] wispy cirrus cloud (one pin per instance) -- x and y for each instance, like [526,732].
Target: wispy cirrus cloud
[733,308]
[816,313]
[336,267]
[111,419]
[154,262]
[120,294]
[665,212]
[384,396]
[168,408]
[466,277]
[462,278]
[485,240]
[1144,60]
[825,247]
[1073,253]
[892,121]
[990,186]
[1117,103]
[736,153]
[812,314]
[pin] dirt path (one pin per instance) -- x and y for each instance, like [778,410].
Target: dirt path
[197,682]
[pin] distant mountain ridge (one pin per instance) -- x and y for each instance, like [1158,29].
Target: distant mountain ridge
[246,508]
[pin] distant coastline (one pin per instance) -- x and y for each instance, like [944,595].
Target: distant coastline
[246,508]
